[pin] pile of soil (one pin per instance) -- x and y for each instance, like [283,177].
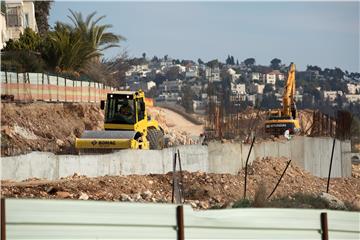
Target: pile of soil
[201,190]
[50,127]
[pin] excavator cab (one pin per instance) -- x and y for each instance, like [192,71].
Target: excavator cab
[126,125]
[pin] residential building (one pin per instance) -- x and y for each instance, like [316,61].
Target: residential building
[234,76]
[331,95]
[20,14]
[171,86]
[353,97]
[273,76]
[212,74]
[251,99]
[238,88]
[255,88]
[191,72]
[256,76]
[199,106]
[238,98]
[169,97]
[146,86]
[270,78]
[353,88]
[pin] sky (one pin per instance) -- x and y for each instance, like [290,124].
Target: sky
[306,33]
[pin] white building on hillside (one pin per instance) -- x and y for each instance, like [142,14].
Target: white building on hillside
[19,14]
[352,97]
[331,95]
[212,74]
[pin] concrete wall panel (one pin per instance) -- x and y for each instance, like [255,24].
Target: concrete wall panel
[284,149]
[245,148]
[297,151]
[346,158]
[313,154]
[224,158]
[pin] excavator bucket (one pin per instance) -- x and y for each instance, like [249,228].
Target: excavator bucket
[107,140]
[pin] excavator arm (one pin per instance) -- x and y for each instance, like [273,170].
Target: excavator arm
[289,94]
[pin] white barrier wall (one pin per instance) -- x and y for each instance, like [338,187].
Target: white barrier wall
[312,154]
[69,219]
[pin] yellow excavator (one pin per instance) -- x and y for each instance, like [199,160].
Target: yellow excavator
[280,120]
[126,125]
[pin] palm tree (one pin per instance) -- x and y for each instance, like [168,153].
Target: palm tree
[94,33]
[66,51]
[72,47]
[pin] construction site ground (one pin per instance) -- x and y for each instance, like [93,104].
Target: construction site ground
[201,190]
[53,127]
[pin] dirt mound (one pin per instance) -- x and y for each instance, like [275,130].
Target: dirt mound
[178,130]
[201,190]
[45,126]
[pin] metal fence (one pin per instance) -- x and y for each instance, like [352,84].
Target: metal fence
[68,219]
[45,87]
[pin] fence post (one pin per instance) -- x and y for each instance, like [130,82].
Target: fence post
[246,165]
[73,90]
[49,87]
[65,89]
[324,226]
[6,84]
[3,220]
[331,160]
[18,87]
[180,222]
[42,86]
[57,87]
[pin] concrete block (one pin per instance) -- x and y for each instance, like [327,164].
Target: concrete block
[346,158]
[271,149]
[245,148]
[336,165]
[312,155]
[284,149]
[194,158]
[43,165]
[259,150]
[224,158]
[68,165]
[297,151]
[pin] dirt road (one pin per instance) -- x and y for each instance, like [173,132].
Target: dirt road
[176,122]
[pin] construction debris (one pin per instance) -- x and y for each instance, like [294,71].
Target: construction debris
[201,190]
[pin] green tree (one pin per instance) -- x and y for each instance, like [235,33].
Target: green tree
[213,63]
[70,47]
[92,32]
[268,88]
[275,64]
[249,62]
[3,7]
[66,51]
[29,41]
[23,54]
[42,11]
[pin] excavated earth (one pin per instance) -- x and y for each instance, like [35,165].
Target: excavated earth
[201,190]
[50,127]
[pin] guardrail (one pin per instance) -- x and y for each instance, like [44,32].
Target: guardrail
[69,219]
[45,87]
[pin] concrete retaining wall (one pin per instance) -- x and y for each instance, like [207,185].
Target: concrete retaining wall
[313,154]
